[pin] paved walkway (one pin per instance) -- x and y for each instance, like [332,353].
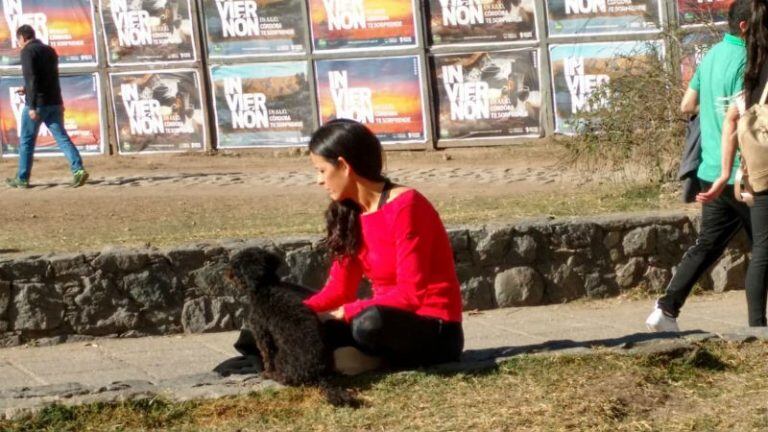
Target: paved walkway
[35,375]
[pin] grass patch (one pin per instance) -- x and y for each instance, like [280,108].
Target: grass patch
[719,386]
[165,221]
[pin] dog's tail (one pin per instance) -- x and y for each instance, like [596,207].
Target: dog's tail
[339,397]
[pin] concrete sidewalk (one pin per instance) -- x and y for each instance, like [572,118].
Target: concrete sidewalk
[180,366]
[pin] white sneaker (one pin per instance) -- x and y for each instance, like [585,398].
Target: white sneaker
[658,321]
[351,361]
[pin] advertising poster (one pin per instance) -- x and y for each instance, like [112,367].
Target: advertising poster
[243,28]
[65,25]
[158,111]
[697,12]
[488,94]
[82,116]
[579,69]
[339,25]
[693,48]
[262,105]
[481,21]
[383,93]
[139,32]
[601,17]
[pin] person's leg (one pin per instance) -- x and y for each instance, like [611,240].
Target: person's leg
[720,221]
[406,339]
[29,131]
[53,116]
[757,274]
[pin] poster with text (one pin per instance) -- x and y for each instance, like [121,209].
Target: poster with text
[700,12]
[488,94]
[481,21]
[579,69]
[140,32]
[244,28]
[82,116]
[340,25]
[158,111]
[262,104]
[383,93]
[602,17]
[65,25]
[693,48]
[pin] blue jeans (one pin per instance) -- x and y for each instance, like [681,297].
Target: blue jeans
[53,117]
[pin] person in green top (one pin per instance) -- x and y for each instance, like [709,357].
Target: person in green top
[718,80]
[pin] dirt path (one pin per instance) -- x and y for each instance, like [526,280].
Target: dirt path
[165,199]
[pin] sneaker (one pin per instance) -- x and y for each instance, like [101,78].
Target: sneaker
[351,361]
[658,321]
[79,178]
[17,183]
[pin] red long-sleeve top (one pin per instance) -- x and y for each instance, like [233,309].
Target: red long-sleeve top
[407,256]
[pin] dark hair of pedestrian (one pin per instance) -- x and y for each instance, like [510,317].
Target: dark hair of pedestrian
[362,150]
[26,31]
[757,45]
[739,11]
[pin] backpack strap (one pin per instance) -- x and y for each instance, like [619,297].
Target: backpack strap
[764,96]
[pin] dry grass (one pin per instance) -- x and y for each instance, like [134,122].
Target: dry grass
[721,386]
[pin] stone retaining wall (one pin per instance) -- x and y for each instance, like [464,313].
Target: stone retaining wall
[128,293]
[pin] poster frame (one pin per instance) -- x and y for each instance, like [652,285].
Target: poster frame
[662,22]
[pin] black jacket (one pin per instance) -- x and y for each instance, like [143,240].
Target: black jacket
[690,161]
[40,66]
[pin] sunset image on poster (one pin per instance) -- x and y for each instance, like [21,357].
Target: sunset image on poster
[698,12]
[481,21]
[351,24]
[383,93]
[82,118]
[65,25]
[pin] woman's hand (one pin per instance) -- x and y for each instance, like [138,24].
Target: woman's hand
[714,191]
[336,314]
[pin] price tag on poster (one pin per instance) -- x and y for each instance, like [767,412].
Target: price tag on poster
[345,25]
[82,119]
[386,94]
[578,70]
[65,25]
[158,111]
[481,21]
[602,17]
[148,32]
[488,94]
[262,104]
[249,28]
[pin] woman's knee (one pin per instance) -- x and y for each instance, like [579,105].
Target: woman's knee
[367,327]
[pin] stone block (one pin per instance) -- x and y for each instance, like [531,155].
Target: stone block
[519,286]
[37,307]
[640,241]
[478,294]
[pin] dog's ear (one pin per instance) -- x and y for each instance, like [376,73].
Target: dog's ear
[256,266]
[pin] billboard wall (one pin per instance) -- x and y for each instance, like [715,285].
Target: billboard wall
[245,28]
[488,94]
[386,94]
[481,21]
[148,32]
[66,25]
[693,48]
[697,12]
[82,117]
[262,105]
[579,69]
[602,17]
[343,25]
[158,111]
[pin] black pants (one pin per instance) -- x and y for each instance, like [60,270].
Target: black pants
[401,338]
[757,274]
[721,219]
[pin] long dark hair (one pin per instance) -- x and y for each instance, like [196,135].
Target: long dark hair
[757,46]
[362,151]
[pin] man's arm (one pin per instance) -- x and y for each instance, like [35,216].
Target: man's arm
[690,103]
[30,78]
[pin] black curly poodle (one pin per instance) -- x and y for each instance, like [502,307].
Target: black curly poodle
[288,335]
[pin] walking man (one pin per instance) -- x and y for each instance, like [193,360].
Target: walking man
[43,104]
[718,79]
